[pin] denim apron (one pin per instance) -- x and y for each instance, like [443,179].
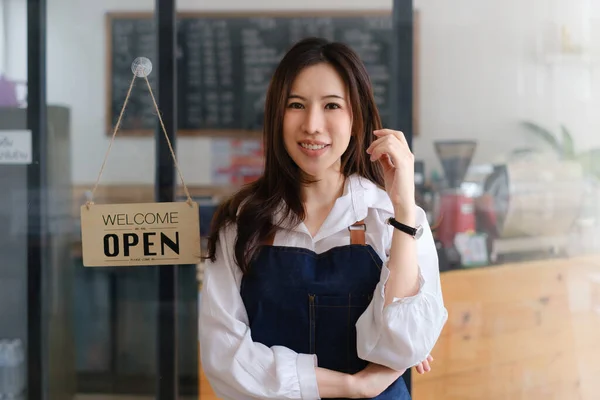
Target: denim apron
[310,302]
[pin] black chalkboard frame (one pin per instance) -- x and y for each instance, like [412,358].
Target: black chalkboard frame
[238,133]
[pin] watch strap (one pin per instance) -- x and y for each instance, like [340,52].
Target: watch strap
[402,227]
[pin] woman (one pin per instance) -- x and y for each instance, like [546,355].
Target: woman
[309,292]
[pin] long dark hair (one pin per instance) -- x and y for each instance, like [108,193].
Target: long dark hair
[252,208]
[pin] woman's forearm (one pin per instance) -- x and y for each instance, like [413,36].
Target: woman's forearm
[404,270]
[334,384]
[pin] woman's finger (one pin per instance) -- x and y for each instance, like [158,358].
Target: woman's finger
[386,161]
[426,366]
[420,369]
[389,147]
[381,139]
[379,151]
[398,134]
[396,139]
[374,144]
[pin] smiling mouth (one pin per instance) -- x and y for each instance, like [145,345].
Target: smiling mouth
[313,146]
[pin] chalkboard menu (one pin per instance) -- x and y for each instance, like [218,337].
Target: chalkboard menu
[225,63]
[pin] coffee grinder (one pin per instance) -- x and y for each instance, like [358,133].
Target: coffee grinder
[456,212]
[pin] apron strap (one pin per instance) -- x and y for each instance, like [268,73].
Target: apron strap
[269,240]
[357,232]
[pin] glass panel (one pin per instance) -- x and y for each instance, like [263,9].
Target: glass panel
[112,332]
[14,153]
[508,150]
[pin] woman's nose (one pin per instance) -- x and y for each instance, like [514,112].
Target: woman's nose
[314,120]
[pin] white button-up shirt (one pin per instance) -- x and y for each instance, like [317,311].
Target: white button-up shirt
[399,336]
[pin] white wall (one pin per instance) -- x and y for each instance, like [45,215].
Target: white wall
[479,77]
[15,17]
[3,29]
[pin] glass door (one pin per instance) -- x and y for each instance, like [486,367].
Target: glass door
[68,331]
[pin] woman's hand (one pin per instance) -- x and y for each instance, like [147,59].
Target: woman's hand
[391,149]
[424,366]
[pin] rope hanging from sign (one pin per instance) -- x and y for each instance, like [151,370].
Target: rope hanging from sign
[141,67]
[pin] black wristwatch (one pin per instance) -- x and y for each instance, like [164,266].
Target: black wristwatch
[414,232]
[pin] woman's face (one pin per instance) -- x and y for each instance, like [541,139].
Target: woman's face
[317,123]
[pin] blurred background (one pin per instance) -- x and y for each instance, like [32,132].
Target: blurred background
[499,100]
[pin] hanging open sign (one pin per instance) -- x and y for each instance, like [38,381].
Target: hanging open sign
[140,234]
[143,233]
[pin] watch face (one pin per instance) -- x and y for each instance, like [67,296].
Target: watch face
[419,232]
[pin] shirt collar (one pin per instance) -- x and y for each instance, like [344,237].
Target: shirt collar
[359,195]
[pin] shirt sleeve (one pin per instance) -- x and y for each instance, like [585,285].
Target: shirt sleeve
[403,334]
[235,366]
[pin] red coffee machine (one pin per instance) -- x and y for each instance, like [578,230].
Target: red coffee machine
[456,212]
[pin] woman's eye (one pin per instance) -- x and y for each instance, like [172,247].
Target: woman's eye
[295,105]
[332,106]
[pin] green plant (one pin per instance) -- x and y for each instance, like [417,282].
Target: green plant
[564,146]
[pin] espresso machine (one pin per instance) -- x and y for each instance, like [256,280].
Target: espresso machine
[456,208]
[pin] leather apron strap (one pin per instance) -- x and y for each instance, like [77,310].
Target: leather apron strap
[357,234]
[269,240]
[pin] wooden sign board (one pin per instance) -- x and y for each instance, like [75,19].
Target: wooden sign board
[140,234]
